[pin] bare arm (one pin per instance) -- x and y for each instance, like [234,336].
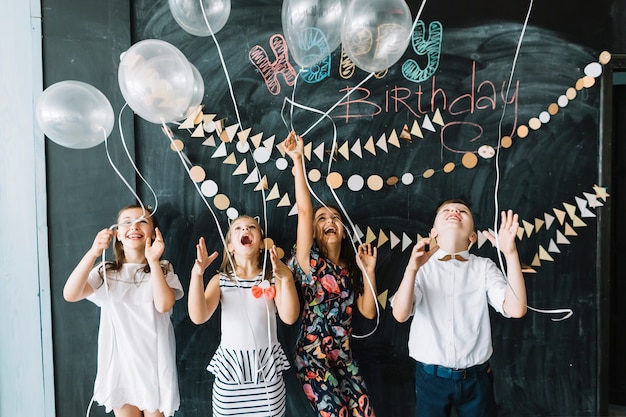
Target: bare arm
[201,302]
[366,259]
[286,299]
[162,293]
[403,298]
[515,303]
[76,287]
[304,238]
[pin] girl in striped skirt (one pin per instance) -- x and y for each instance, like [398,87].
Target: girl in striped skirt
[249,361]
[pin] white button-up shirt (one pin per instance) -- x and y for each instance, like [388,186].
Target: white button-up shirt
[451,324]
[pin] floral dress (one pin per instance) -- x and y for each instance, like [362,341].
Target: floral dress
[325,367]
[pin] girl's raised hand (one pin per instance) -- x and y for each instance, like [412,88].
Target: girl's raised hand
[154,250]
[294,146]
[203,259]
[366,257]
[101,242]
[279,269]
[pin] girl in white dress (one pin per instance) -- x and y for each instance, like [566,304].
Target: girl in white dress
[249,361]
[136,347]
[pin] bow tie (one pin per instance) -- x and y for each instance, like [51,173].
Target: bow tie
[453,256]
[268,291]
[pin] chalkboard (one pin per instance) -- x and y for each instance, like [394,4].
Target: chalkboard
[408,132]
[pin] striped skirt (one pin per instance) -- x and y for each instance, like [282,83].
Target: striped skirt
[267,399]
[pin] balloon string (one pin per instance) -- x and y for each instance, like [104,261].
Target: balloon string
[168,133]
[351,227]
[568,312]
[119,174]
[370,75]
[326,114]
[130,159]
[232,95]
[417,16]
[219,51]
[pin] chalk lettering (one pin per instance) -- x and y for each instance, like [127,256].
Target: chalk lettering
[360,103]
[431,48]
[346,66]
[271,69]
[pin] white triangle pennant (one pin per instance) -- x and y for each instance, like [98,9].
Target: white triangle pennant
[382,143]
[253,177]
[406,241]
[319,152]
[393,240]
[356,148]
[220,152]
[427,124]
[582,206]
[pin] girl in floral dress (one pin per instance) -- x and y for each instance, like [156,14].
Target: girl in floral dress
[249,362]
[330,274]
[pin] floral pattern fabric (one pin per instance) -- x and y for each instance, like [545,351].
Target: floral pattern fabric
[329,375]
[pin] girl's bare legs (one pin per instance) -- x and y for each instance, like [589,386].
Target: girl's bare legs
[132,411]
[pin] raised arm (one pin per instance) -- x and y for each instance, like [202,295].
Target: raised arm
[294,146]
[286,299]
[201,302]
[515,304]
[76,287]
[162,293]
[366,260]
[403,298]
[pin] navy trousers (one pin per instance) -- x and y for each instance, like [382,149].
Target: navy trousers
[469,391]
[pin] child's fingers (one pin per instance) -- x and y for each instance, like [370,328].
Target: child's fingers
[213,256]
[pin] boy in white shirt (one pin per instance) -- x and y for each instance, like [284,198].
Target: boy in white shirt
[447,290]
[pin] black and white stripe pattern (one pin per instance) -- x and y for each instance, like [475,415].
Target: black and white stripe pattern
[243,366]
[249,399]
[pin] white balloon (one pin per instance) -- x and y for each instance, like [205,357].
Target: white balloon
[375,33]
[157,81]
[189,16]
[198,92]
[74,114]
[312,28]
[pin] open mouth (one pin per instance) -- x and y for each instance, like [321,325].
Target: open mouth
[246,240]
[330,231]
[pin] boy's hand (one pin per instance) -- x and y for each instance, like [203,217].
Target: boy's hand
[506,234]
[419,254]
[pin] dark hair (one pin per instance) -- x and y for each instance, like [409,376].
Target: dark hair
[118,248]
[346,253]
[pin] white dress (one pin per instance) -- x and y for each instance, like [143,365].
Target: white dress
[249,361]
[136,344]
